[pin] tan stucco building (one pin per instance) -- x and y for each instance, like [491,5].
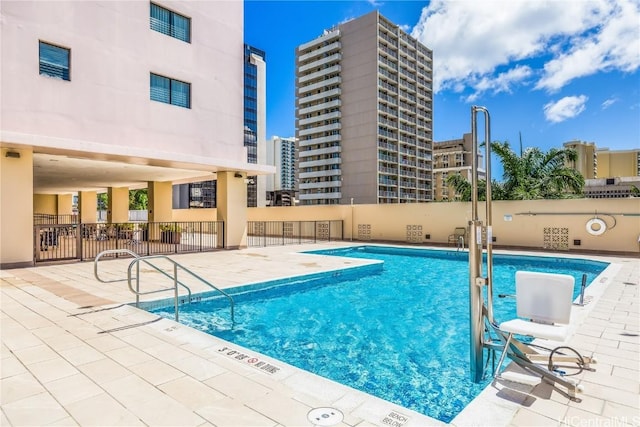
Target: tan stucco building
[594,162]
[607,173]
[364,115]
[115,95]
[453,157]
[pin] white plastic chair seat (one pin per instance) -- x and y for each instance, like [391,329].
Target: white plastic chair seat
[533,329]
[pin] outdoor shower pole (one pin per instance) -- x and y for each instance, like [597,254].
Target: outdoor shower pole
[488,219]
[476,281]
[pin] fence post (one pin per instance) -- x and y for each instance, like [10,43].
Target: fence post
[79,234]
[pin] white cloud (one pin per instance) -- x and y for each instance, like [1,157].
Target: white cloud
[566,108]
[609,102]
[500,83]
[562,40]
[614,45]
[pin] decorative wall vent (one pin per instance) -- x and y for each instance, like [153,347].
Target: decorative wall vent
[414,233]
[364,231]
[556,238]
[322,230]
[287,229]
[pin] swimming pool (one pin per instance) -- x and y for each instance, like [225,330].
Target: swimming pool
[399,331]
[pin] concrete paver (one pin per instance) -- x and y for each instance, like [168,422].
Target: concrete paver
[73,353]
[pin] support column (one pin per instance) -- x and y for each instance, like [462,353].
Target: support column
[160,201]
[16,208]
[88,206]
[231,203]
[117,204]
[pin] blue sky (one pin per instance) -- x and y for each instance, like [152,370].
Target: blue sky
[548,72]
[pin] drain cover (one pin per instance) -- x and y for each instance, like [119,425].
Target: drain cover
[325,416]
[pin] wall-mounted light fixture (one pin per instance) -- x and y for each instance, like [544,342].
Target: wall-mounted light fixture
[12,154]
[238,175]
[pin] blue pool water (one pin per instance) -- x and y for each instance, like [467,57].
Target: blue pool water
[399,331]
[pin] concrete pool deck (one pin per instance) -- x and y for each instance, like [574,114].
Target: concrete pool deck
[74,353]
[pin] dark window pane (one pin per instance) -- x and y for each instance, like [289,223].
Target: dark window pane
[170,23]
[160,88]
[54,61]
[180,93]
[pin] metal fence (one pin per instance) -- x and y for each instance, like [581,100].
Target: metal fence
[273,233]
[54,219]
[85,241]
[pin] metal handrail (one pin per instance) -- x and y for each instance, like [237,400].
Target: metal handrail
[108,252]
[136,261]
[136,256]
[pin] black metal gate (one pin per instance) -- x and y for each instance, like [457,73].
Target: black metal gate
[58,242]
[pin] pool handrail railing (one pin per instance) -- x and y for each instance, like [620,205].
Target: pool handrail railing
[176,266]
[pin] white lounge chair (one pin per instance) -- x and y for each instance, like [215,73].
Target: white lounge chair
[543,306]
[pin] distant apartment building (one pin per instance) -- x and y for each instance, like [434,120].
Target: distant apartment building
[364,115]
[586,162]
[255,120]
[281,187]
[607,173]
[203,194]
[453,157]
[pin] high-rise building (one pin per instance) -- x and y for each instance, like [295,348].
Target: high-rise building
[364,115]
[281,187]
[203,194]
[587,162]
[255,120]
[453,157]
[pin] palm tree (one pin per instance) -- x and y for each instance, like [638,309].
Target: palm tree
[538,175]
[462,188]
[532,175]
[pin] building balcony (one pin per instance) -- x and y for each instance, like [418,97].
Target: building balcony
[387,170]
[320,62]
[320,140]
[320,118]
[320,173]
[317,185]
[304,101]
[315,163]
[308,54]
[319,129]
[316,196]
[320,151]
[319,74]
[319,107]
[322,84]
[387,146]
[389,194]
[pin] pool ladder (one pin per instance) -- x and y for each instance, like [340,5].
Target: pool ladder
[460,244]
[137,259]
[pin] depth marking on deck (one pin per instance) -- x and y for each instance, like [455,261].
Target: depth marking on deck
[395,419]
[250,360]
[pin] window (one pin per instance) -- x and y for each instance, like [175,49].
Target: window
[54,61]
[170,23]
[170,91]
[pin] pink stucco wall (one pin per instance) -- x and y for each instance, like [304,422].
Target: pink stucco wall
[106,104]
